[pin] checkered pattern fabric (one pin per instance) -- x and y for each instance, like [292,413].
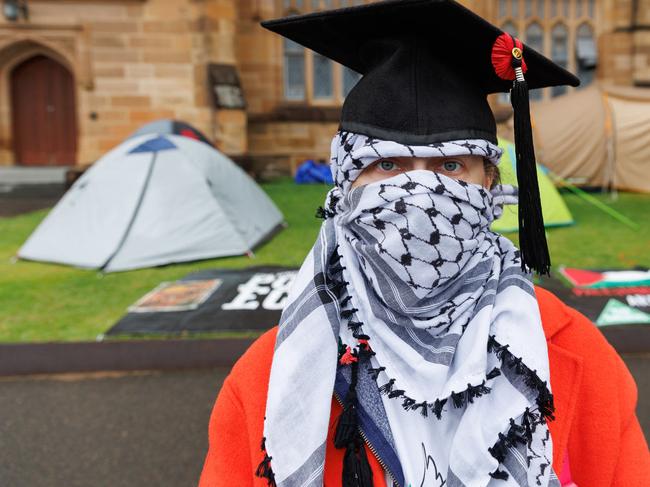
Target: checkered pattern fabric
[410,266]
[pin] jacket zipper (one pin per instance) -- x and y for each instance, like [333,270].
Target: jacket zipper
[372,448]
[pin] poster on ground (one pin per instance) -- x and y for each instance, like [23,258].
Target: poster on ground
[216,300]
[222,300]
[608,297]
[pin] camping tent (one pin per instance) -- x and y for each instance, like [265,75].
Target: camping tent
[554,209]
[155,200]
[598,136]
[167,126]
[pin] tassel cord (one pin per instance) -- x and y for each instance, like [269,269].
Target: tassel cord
[532,236]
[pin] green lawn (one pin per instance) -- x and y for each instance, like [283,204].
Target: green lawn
[43,302]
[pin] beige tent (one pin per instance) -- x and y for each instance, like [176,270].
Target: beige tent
[597,136]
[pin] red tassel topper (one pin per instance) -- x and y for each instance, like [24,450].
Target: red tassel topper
[348,358]
[502,55]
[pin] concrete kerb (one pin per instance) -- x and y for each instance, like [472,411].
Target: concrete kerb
[76,357]
[174,354]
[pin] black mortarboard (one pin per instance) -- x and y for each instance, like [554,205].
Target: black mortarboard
[428,66]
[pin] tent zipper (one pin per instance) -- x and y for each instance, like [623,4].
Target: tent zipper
[372,448]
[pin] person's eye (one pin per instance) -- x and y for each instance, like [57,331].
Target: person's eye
[387,165]
[452,166]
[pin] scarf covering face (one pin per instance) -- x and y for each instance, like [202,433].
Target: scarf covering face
[409,266]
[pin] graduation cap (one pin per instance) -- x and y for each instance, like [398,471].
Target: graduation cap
[428,66]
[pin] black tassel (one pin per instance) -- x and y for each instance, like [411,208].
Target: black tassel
[374,373]
[345,314]
[395,393]
[529,422]
[324,214]
[457,399]
[424,408]
[500,448]
[545,404]
[532,238]
[387,387]
[437,407]
[499,475]
[409,404]
[544,399]
[345,301]
[476,391]
[264,468]
[492,343]
[347,427]
[354,326]
[495,372]
[356,468]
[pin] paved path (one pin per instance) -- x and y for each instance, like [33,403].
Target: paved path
[144,429]
[18,199]
[133,430]
[32,175]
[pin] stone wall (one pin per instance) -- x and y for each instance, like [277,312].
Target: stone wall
[624,44]
[641,54]
[138,60]
[133,62]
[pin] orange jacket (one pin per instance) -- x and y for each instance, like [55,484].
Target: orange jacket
[595,400]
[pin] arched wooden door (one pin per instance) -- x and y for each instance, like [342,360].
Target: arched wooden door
[44,115]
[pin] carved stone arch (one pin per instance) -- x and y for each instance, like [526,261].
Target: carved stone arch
[18,50]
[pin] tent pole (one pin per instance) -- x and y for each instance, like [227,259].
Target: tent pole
[135,212]
[594,201]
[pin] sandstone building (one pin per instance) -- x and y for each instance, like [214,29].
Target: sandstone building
[78,76]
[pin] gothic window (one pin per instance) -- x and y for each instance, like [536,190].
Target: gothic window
[321,4]
[564,30]
[586,58]
[592,8]
[503,8]
[510,28]
[323,88]
[514,5]
[309,77]
[294,71]
[535,39]
[350,78]
[292,4]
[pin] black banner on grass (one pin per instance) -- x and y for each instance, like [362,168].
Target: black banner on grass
[211,301]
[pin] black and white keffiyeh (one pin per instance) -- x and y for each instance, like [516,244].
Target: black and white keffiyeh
[407,284]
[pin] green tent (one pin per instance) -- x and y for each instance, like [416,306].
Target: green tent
[555,212]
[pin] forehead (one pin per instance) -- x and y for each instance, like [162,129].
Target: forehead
[467,158]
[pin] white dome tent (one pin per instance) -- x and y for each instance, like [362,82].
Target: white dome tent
[155,200]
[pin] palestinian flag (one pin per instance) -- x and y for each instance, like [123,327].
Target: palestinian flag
[591,279]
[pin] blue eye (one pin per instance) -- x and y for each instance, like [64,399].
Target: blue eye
[387,165]
[451,166]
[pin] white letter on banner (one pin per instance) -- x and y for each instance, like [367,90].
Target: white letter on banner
[247,297]
[277,298]
[638,300]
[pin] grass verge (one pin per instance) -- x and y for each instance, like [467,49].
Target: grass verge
[46,302]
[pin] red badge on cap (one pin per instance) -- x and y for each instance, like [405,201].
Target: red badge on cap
[505,49]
